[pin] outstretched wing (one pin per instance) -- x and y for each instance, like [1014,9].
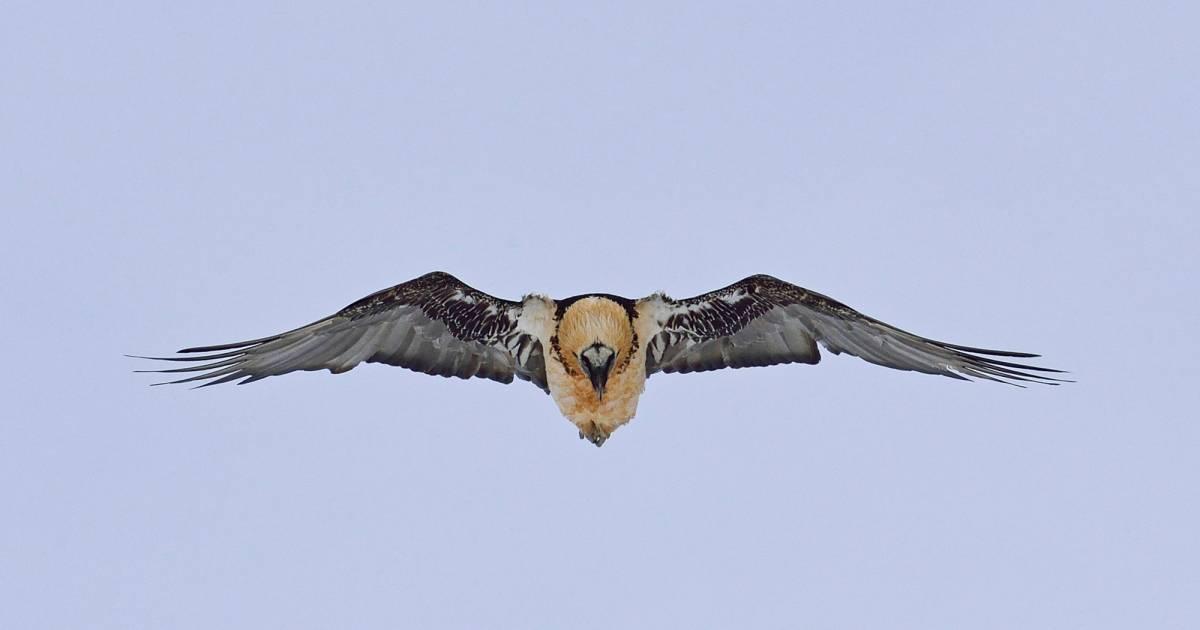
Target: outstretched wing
[765,321]
[434,324]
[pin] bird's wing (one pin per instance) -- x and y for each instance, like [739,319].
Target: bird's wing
[765,321]
[434,324]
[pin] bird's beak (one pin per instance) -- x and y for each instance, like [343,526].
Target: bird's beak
[599,377]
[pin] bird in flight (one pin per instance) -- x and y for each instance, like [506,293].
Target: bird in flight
[592,353]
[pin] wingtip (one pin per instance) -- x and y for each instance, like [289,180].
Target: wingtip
[995,353]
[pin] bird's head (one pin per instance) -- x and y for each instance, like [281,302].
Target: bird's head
[596,335]
[597,362]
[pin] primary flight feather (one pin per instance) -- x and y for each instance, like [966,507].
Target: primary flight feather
[592,353]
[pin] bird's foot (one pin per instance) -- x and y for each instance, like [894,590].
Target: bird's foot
[594,435]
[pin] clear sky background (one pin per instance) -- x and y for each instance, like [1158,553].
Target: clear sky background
[1013,175]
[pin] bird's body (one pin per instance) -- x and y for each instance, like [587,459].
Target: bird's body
[592,353]
[587,321]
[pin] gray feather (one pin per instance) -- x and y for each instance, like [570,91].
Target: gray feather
[433,324]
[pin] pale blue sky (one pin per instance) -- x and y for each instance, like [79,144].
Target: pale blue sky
[1020,176]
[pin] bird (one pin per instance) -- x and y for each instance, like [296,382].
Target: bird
[592,352]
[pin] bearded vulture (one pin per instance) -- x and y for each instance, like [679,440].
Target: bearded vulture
[592,353]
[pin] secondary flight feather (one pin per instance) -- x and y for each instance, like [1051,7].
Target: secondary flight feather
[592,353]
